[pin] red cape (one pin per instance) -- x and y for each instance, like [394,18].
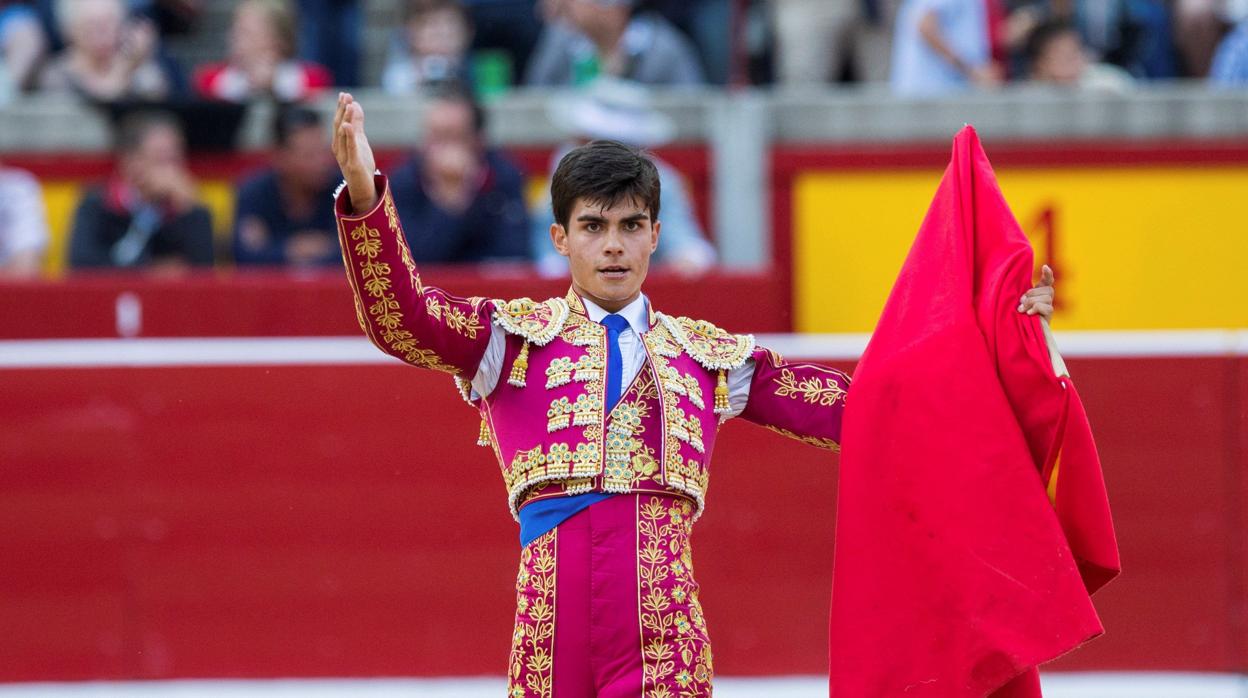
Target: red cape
[956,572]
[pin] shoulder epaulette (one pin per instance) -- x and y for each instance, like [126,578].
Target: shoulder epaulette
[713,348]
[537,322]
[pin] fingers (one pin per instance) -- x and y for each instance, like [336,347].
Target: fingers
[1043,309]
[339,112]
[1046,276]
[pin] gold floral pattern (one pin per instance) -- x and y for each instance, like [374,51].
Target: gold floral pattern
[530,671]
[465,324]
[384,310]
[811,389]
[829,444]
[676,651]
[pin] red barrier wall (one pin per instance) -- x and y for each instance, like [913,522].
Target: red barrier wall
[339,521]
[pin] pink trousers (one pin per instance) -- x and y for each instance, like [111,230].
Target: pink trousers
[607,607]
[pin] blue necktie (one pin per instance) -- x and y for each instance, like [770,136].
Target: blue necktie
[615,324]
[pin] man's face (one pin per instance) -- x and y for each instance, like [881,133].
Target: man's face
[161,153]
[608,250]
[1063,61]
[305,159]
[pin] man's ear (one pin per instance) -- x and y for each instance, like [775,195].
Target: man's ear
[559,238]
[654,236]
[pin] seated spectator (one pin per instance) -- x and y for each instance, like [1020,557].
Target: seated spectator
[431,49]
[22,47]
[942,47]
[329,35]
[147,214]
[107,57]
[606,37]
[459,200]
[1134,35]
[1056,55]
[816,40]
[621,111]
[1199,26]
[262,60]
[23,224]
[281,214]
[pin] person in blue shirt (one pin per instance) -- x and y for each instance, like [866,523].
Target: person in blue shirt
[281,218]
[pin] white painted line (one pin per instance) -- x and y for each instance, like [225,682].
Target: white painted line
[1057,685]
[312,351]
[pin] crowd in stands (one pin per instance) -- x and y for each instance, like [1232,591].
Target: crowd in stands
[468,200]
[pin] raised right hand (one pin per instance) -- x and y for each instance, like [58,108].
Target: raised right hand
[354,154]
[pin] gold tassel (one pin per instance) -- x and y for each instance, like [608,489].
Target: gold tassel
[721,394]
[483,438]
[519,367]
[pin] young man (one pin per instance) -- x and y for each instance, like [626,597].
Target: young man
[601,410]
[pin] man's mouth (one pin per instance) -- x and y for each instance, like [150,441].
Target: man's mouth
[613,271]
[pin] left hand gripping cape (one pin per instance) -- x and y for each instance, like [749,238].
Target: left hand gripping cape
[972,522]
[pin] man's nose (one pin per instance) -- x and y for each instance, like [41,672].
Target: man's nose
[614,243]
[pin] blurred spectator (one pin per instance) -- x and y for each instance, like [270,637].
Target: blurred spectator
[818,40]
[329,35]
[459,200]
[592,37]
[107,57]
[261,61]
[621,111]
[430,49]
[942,47]
[147,214]
[281,215]
[1133,34]
[1056,55]
[23,224]
[1198,27]
[710,24]
[22,47]
[1230,63]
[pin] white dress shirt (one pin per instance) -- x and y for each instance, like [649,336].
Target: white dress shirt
[631,352]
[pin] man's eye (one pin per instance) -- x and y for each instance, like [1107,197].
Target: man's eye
[632,226]
[593,227]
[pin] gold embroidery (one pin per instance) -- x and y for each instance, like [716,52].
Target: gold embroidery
[811,440]
[678,474]
[385,308]
[530,672]
[710,346]
[464,323]
[809,389]
[587,410]
[675,644]
[559,372]
[536,322]
[559,416]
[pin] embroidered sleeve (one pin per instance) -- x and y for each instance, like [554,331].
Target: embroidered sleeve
[803,401]
[421,325]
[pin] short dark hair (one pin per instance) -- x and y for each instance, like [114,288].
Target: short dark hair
[291,118]
[458,93]
[1039,39]
[604,173]
[419,9]
[133,128]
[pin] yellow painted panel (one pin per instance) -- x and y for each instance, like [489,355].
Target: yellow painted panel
[1136,248]
[60,198]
